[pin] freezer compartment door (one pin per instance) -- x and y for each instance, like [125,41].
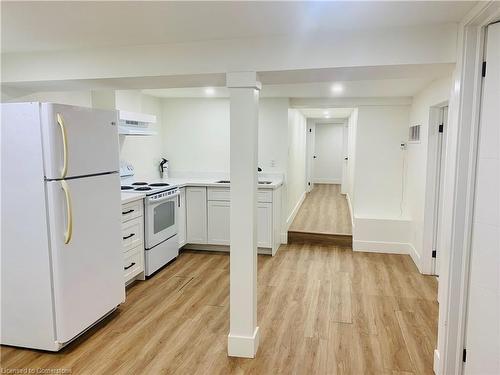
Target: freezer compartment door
[86,248]
[78,141]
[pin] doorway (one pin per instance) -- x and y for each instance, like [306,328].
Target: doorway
[328,154]
[439,183]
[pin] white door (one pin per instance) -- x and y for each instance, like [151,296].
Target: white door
[483,315]
[327,165]
[219,213]
[345,157]
[83,139]
[88,269]
[438,202]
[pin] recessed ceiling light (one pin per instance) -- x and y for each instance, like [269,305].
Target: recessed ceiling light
[337,88]
[326,113]
[327,116]
[209,91]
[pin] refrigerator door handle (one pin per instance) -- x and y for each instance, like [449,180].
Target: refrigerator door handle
[69,212]
[65,145]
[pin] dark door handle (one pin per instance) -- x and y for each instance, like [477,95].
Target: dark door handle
[346,158]
[131,265]
[127,212]
[314,157]
[130,235]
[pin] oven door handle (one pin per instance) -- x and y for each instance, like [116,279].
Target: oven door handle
[152,201]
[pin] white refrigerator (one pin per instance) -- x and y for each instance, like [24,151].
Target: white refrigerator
[61,251]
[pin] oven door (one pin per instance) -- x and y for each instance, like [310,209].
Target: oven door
[161,220]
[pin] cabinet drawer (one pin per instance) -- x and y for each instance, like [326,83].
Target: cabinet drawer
[133,263]
[132,210]
[219,194]
[132,233]
[224,194]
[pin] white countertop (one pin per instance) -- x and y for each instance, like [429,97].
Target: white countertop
[212,182]
[131,197]
[208,181]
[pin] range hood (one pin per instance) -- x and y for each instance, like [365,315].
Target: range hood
[132,123]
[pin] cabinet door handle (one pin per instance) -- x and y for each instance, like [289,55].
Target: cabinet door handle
[127,212]
[130,235]
[131,265]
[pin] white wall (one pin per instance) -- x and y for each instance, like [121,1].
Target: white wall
[417,159]
[376,186]
[196,134]
[328,151]
[379,161]
[296,178]
[144,152]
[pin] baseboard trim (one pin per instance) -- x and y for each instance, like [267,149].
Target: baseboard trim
[349,204]
[221,248]
[284,238]
[415,257]
[437,362]
[381,247]
[327,181]
[295,210]
[243,346]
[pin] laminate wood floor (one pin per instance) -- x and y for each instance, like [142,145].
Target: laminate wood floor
[322,310]
[324,210]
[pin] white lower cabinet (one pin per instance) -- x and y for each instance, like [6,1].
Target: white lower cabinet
[207,218]
[219,208]
[133,240]
[196,215]
[218,222]
[181,217]
[264,225]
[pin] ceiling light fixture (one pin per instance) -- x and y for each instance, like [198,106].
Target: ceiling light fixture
[326,113]
[337,88]
[209,91]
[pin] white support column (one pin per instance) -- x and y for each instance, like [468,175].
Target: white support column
[243,339]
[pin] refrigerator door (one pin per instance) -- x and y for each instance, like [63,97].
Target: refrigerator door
[78,141]
[86,249]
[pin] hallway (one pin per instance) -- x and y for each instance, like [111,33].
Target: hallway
[325,210]
[322,310]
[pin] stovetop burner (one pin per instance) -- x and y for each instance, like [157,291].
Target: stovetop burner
[143,188]
[159,184]
[126,187]
[139,183]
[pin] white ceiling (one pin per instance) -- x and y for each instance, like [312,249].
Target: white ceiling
[368,89]
[61,25]
[383,81]
[326,113]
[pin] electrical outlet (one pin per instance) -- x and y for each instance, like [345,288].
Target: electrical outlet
[273,163]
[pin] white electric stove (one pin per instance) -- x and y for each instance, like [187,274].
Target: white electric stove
[160,219]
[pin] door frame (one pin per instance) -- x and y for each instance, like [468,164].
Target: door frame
[432,199]
[459,183]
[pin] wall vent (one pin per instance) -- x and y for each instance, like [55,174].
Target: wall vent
[414,135]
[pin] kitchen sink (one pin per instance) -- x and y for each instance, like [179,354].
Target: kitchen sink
[227,182]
